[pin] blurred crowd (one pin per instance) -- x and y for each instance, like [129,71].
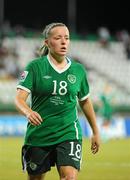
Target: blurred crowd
[9,67]
[121,36]
[9,56]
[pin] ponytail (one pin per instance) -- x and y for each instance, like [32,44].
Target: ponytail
[43,51]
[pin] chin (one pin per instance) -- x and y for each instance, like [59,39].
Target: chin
[62,53]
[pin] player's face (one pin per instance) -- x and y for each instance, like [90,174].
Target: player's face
[58,41]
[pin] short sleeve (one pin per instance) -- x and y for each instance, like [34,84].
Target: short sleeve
[84,87]
[26,79]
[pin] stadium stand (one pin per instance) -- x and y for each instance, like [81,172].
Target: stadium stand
[104,65]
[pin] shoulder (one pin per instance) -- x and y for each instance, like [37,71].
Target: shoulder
[36,62]
[78,65]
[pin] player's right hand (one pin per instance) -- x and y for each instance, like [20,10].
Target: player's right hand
[34,118]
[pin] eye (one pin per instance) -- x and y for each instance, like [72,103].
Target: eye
[57,38]
[67,37]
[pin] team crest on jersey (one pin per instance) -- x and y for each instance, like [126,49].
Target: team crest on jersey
[23,75]
[71,78]
[33,166]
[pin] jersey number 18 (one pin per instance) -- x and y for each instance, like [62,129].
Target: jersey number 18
[62,90]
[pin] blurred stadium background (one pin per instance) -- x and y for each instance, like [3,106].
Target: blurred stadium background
[104,49]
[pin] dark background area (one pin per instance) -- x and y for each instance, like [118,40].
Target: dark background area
[88,17]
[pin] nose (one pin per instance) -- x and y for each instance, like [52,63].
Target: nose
[63,41]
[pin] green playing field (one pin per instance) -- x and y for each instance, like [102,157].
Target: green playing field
[112,162]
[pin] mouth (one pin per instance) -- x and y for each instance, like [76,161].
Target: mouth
[63,49]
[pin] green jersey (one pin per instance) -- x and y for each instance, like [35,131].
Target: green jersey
[54,95]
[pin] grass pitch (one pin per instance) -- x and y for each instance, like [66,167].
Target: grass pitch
[112,161]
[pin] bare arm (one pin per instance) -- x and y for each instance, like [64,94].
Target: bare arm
[88,110]
[20,101]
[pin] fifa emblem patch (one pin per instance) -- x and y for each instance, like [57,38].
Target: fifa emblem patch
[23,75]
[71,78]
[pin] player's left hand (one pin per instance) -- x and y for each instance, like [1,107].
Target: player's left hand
[95,143]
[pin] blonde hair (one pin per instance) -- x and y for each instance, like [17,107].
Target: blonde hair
[46,32]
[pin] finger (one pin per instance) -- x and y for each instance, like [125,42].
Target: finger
[94,148]
[94,151]
[34,120]
[38,117]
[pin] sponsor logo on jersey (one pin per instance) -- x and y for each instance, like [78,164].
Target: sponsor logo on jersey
[47,77]
[23,75]
[71,78]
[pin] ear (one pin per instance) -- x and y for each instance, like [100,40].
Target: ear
[46,42]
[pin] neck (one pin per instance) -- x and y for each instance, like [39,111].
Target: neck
[58,59]
[59,62]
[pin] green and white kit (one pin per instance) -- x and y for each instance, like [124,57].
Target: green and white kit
[54,95]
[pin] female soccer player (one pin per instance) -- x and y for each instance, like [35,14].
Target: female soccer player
[53,135]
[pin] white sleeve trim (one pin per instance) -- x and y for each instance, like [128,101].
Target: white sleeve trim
[24,88]
[85,97]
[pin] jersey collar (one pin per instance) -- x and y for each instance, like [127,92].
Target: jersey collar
[56,69]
